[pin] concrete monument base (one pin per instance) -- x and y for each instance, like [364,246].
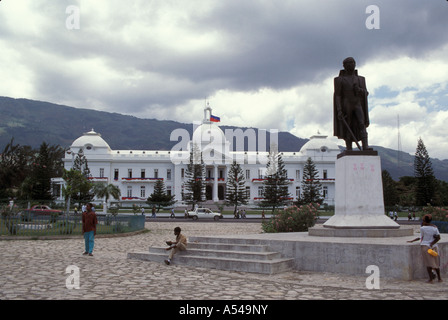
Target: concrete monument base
[321,231]
[394,256]
[359,193]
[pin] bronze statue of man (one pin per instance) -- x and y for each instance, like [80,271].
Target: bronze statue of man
[350,114]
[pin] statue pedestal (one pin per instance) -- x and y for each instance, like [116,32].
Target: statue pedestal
[359,193]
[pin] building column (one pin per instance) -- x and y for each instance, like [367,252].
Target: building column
[215,183]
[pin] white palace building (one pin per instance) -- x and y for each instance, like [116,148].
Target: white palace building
[136,171]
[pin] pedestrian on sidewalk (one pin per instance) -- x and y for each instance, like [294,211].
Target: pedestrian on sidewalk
[179,245]
[429,237]
[153,212]
[89,222]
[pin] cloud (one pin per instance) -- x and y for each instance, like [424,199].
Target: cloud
[260,63]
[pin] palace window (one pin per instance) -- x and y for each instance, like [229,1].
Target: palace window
[260,191]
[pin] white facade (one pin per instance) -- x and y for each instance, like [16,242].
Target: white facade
[135,171]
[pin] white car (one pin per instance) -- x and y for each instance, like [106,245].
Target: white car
[204,213]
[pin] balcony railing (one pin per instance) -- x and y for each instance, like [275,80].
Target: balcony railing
[140,179]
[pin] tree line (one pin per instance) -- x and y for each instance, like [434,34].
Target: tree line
[419,190]
[275,183]
[25,174]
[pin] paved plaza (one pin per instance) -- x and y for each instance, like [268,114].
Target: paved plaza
[36,269]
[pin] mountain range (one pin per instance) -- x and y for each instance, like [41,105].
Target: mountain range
[32,122]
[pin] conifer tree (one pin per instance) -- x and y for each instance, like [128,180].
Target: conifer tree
[80,164]
[424,174]
[194,186]
[85,193]
[41,175]
[275,191]
[236,187]
[311,186]
[160,197]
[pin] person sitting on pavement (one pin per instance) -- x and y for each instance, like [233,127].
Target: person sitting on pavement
[179,245]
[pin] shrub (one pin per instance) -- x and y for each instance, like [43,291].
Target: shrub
[437,213]
[108,220]
[26,217]
[54,217]
[12,226]
[292,219]
[9,218]
[119,228]
[64,227]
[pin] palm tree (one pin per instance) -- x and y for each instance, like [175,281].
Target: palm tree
[103,190]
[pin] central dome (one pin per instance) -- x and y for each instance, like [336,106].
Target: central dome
[210,139]
[208,133]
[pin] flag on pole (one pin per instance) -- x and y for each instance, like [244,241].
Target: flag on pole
[214,118]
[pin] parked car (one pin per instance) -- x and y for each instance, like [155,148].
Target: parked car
[204,213]
[42,210]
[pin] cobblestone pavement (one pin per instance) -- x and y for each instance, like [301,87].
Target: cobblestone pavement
[36,269]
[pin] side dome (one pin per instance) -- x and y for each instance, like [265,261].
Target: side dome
[90,141]
[319,143]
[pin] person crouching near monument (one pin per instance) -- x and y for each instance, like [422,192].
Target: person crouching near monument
[179,245]
[89,222]
[429,237]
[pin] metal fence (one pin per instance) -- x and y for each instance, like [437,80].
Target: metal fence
[51,225]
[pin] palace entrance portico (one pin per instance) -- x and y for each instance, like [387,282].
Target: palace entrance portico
[216,182]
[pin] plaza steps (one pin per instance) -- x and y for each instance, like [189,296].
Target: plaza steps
[230,254]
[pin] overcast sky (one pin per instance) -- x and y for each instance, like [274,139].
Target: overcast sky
[259,63]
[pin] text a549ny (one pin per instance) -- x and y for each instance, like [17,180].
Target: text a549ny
[233,309]
[244,309]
